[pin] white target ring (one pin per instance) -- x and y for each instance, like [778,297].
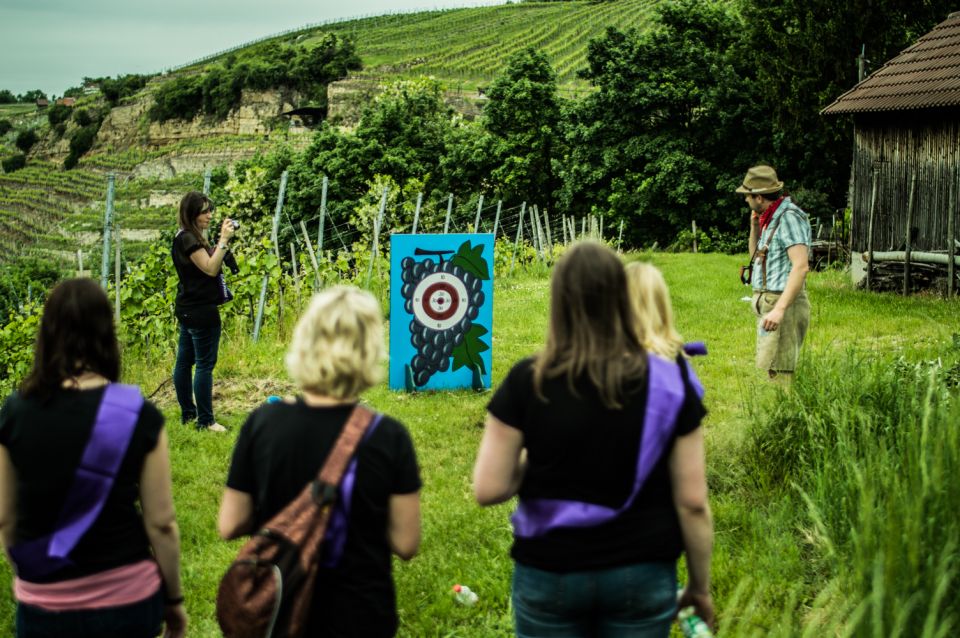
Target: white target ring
[440,301]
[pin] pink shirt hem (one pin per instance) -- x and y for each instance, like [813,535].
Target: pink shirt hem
[115,587]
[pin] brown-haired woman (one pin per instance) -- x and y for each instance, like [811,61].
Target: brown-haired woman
[99,578]
[200,292]
[603,445]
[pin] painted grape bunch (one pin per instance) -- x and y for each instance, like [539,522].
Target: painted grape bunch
[444,300]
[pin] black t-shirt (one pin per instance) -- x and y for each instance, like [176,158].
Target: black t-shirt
[280,448]
[580,450]
[46,442]
[197,292]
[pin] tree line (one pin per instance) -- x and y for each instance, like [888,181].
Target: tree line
[677,113]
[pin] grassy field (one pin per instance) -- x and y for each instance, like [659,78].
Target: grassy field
[780,565]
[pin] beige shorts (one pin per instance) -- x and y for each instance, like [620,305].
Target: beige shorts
[778,350]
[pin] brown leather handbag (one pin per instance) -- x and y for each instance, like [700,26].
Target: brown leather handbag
[268,590]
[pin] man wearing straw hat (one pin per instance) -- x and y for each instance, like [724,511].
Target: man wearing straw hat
[780,248]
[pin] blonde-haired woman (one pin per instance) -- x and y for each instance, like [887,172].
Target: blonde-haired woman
[336,353]
[652,311]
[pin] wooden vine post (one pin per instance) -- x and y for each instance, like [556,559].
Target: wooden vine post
[907,244]
[872,218]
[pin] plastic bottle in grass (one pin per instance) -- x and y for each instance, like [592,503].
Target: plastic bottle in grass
[464,595]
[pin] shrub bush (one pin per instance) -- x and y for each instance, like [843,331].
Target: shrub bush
[82,117]
[80,142]
[14,163]
[58,113]
[5,127]
[25,140]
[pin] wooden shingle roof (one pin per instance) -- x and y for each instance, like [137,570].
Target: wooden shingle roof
[925,75]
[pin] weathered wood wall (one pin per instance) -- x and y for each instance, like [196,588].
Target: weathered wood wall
[901,145]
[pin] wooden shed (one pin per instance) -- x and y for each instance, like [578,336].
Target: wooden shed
[906,119]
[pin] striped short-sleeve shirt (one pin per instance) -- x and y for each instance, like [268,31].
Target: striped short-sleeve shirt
[793,228]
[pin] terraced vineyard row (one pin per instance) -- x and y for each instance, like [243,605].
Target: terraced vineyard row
[74,185]
[474,45]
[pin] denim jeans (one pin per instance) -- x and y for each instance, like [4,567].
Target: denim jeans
[638,601]
[137,620]
[197,346]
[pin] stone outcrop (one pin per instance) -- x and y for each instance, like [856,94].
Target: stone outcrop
[128,124]
[347,98]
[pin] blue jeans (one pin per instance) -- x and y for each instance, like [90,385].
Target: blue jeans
[197,346]
[138,620]
[638,601]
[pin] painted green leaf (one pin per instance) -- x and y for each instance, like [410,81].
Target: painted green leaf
[471,260]
[468,352]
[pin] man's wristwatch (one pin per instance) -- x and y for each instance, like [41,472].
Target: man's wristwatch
[223,245]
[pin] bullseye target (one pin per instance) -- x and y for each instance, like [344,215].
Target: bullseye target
[440,301]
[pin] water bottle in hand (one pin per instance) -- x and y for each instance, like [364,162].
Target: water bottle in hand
[692,625]
[464,595]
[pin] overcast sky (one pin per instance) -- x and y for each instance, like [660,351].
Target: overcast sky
[53,44]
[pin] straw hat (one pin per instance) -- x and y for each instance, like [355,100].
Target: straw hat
[760,180]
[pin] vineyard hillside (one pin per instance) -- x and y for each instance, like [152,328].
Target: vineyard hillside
[51,213]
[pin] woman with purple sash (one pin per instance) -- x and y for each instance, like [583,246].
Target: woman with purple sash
[602,444]
[86,506]
[336,353]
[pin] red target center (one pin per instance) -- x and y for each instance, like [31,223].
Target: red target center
[440,301]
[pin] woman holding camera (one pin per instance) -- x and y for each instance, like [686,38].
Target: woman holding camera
[200,291]
[603,445]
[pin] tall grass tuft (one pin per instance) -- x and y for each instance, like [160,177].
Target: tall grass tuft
[869,449]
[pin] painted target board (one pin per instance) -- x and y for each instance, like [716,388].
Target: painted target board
[441,311]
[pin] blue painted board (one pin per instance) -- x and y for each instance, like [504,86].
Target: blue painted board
[441,311]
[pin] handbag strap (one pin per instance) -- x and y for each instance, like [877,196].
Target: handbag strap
[335,536]
[92,483]
[328,478]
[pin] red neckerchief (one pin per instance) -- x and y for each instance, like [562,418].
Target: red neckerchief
[768,214]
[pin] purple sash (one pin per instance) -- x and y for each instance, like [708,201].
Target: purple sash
[335,537]
[665,396]
[92,483]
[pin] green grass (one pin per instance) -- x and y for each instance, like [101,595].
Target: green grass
[773,574]
[9,110]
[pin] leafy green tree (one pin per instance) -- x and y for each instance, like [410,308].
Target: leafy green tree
[404,132]
[673,120]
[523,117]
[26,139]
[31,96]
[6,97]
[332,59]
[115,89]
[179,98]
[804,55]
